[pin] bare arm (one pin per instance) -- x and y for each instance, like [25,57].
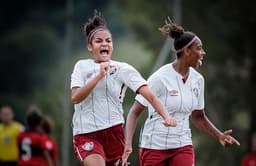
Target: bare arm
[48,158]
[158,106]
[79,94]
[200,120]
[130,126]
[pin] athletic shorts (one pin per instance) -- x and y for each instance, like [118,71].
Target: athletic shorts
[183,156]
[109,143]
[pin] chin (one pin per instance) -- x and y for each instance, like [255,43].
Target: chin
[196,66]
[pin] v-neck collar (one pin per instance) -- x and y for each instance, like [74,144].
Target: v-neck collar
[180,77]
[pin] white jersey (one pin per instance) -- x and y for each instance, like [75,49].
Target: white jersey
[103,107]
[180,99]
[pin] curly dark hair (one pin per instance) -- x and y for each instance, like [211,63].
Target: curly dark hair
[96,21]
[180,36]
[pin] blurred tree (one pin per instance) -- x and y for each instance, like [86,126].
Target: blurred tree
[28,54]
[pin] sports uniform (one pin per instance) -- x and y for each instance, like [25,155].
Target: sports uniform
[52,148]
[102,109]
[31,146]
[249,160]
[180,99]
[8,143]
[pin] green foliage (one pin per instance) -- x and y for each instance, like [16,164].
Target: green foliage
[28,55]
[144,17]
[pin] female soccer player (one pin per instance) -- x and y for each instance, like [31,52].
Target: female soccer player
[181,88]
[98,88]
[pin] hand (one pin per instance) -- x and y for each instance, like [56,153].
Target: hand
[104,66]
[170,122]
[226,139]
[126,154]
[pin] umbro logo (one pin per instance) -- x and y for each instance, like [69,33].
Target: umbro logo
[173,93]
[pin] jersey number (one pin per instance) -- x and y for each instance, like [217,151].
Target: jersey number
[26,147]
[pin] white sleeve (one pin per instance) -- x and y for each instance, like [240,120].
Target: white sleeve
[76,76]
[139,98]
[200,104]
[155,85]
[131,77]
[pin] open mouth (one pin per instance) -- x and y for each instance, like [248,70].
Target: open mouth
[200,61]
[104,52]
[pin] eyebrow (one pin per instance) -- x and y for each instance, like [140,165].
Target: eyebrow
[102,38]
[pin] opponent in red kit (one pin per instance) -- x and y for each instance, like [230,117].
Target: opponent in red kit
[250,158]
[51,145]
[32,146]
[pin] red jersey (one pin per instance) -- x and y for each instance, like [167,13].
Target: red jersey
[31,147]
[249,160]
[52,148]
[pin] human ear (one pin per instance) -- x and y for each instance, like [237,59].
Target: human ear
[187,51]
[89,47]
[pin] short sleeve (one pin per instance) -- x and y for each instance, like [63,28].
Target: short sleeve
[155,85]
[200,104]
[139,98]
[76,76]
[131,77]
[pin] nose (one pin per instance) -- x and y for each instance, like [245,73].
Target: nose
[203,52]
[104,43]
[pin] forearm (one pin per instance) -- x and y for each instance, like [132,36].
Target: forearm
[204,124]
[79,94]
[158,106]
[130,128]
[154,101]
[131,122]
[48,158]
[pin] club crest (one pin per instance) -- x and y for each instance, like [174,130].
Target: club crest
[112,69]
[195,91]
[88,146]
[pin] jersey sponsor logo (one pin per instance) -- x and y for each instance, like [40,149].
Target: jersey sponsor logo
[173,92]
[88,146]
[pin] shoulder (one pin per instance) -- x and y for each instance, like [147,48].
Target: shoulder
[162,72]
[18,125]
[196,74]
[123,66]
[83,62]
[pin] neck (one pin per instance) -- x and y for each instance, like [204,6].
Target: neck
[6,123]
[181,68]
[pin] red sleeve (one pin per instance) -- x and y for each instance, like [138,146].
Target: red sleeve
[43,144]
[245,160]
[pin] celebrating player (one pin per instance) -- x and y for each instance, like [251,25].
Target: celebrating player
[181,88]
[98,88]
